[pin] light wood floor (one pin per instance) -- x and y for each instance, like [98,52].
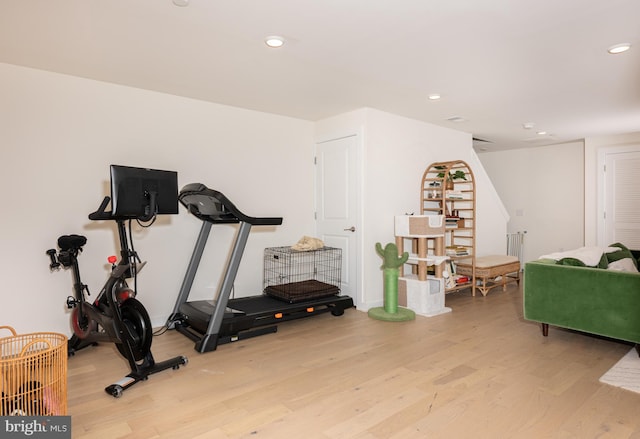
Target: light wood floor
[478,372]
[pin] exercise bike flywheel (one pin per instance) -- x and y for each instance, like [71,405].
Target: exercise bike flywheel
[138,329]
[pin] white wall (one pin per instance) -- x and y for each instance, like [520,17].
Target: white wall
[396,152]
[492,215]
[543,190]
[552,192]
[59,134]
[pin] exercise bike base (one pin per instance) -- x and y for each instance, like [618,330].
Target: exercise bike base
[75,344]
[116,389]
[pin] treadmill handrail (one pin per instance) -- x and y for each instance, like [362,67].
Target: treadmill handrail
[212,206]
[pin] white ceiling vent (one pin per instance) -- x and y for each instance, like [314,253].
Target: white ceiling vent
[481,144]
[541,140]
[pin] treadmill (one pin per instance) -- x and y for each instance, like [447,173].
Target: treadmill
[224,320]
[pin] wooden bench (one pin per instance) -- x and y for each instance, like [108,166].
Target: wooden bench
[492,271]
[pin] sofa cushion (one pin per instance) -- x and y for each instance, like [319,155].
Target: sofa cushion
[623,253]
[604,262]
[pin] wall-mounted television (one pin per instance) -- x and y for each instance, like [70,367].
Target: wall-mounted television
[142,193]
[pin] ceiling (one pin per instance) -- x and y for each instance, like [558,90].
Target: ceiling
[497,64]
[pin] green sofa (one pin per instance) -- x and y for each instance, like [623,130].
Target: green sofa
[593,300]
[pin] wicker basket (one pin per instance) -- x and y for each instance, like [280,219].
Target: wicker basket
[33,373]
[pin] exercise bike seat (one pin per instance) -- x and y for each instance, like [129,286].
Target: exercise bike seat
[71,242]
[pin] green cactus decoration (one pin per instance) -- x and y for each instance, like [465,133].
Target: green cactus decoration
[390,256]
[391,264]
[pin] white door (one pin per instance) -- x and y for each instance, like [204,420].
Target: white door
[622,199]
[337,202]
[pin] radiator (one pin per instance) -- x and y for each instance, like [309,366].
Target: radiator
[515,246]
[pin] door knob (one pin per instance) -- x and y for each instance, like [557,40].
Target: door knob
[350,229]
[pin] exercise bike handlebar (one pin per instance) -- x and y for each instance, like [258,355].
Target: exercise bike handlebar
[101,213]
[54,265]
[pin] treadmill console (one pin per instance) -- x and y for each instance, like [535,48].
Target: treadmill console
[212,206]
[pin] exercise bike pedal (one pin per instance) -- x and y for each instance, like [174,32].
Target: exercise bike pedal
[72,302]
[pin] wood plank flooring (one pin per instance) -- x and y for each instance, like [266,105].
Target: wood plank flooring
[480,371]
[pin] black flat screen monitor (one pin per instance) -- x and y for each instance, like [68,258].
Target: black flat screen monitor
[143,193]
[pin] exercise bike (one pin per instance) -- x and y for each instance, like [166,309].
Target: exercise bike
[115,315]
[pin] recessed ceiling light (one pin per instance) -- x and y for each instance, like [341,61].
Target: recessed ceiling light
[434,96]
[528,125]
[181,2]
[274,41]
[457,119]
[541,133]
[619,48]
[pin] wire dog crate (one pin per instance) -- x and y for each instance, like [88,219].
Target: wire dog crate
[33,372]
[295,276]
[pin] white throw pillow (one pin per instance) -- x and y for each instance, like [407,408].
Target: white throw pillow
[625,264]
